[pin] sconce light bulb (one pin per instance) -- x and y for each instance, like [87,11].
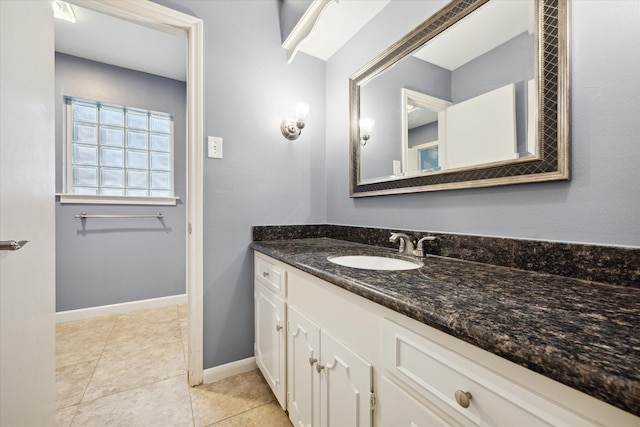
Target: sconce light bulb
[292,128]
[302,111]
[366,127]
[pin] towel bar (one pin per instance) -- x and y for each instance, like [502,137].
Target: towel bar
[84,215]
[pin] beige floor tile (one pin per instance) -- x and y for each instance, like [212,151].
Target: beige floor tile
[270,414]
[231,396]
[183,311]
[64,416]
[126,338]
[71,382]
[165,403]
[72,351]
[120,372]
[86,327]
[117,355]
[82,340]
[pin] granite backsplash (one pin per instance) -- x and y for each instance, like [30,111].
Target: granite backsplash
[607,264]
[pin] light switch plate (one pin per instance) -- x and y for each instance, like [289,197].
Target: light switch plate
[214,147]
[397,168]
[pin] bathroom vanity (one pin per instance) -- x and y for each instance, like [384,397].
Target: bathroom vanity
[449,343]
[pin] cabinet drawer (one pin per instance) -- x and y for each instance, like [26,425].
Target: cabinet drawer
[399,409]
[437,373]
[271,276]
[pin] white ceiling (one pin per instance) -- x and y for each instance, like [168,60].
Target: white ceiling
[485,29]
[118,42]
[420,117]
[114,41]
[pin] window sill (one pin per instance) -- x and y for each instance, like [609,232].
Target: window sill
[116,200]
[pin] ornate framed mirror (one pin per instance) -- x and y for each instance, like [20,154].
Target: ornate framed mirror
[476,96]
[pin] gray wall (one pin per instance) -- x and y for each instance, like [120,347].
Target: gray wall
[481,75]
[601,202]
[422,134]
[290,13]
[109,261]
[263,178]
[381,99]
[516,59]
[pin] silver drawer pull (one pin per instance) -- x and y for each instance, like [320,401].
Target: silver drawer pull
[265,274]
[278,328]
[319,367]
[12,245]
[312,360]
[463,398]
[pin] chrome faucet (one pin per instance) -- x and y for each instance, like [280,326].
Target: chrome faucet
[407,244]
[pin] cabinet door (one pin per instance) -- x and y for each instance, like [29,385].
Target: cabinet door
[345,386]
[303,382]
[270,339]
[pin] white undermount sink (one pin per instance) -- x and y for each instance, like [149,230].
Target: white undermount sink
[367,262]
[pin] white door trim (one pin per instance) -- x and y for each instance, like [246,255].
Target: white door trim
[169,20]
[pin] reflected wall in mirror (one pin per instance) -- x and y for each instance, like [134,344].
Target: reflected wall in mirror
[459,103]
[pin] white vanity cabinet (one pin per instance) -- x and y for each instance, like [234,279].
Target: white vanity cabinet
[328,384]
[270,326]
[352,362]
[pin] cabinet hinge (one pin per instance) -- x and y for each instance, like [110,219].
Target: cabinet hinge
[372,401]
[288,326]
[288,397]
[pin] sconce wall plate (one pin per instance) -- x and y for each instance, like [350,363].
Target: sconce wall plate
[290,130]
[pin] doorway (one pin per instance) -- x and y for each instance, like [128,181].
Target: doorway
[149,15]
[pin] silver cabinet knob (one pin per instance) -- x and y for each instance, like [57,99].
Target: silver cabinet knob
[463,398]
[312,360]
[319,367]
[265,274]
[279,328]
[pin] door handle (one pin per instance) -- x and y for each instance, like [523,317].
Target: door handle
[12,245]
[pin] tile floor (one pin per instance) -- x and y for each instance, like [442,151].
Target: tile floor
[130,370]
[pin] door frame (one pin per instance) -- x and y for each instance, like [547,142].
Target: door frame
[168,20]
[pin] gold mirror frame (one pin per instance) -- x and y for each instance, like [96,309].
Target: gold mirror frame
[552,161]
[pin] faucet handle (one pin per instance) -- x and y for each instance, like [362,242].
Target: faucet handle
[427,238]
[420,247]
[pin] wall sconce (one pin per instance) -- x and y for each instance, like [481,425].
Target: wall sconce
[366,127]
[292,128]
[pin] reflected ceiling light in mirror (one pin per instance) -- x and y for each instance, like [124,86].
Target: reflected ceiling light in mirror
[63,10]
[292,128]
[366,127]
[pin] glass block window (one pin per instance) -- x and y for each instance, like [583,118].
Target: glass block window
[118,151]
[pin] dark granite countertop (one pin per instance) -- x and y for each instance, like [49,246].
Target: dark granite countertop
[583,334]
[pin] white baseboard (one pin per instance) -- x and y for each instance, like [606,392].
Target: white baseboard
[217,373]
[125,307]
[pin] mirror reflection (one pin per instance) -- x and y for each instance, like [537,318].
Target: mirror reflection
[466,98]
